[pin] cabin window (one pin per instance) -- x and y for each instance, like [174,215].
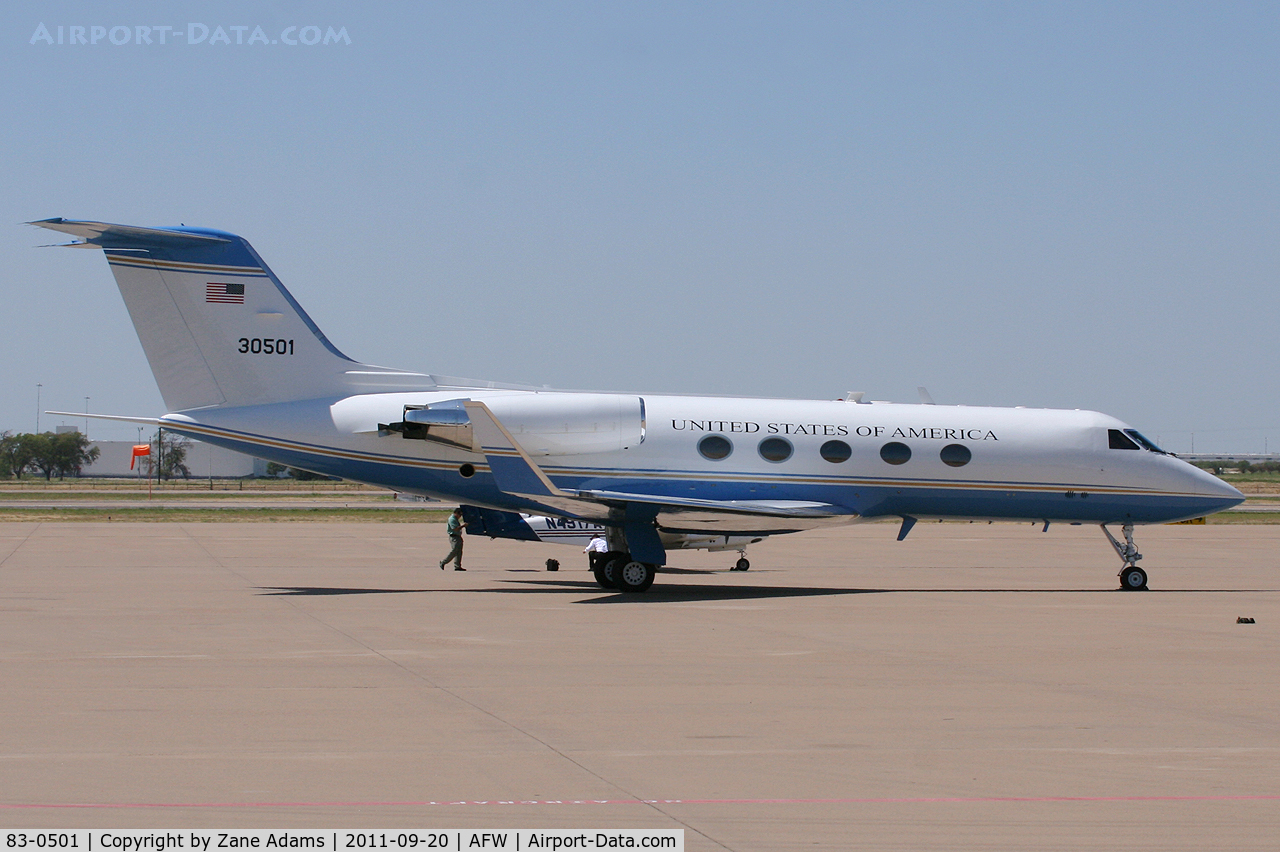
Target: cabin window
[1118,440]
[836,451]
[956,455]
[895,452]
[775,449]
[715,447]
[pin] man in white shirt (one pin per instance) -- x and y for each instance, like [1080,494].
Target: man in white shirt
[595,550]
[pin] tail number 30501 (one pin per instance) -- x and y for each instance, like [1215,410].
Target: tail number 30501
[266,346]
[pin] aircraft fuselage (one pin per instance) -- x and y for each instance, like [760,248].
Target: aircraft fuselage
[959,461]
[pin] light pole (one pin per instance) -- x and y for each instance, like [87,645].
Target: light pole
[38,386]
[86,418]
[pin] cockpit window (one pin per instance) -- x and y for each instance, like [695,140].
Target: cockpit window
[1118,440]
[1146,442]
[1131,439]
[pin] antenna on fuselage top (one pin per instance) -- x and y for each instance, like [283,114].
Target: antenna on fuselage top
[925,399]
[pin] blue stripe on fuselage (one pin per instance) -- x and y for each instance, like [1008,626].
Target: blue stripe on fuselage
[870,500]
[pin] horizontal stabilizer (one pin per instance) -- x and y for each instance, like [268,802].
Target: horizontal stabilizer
[108,236]
[117,418]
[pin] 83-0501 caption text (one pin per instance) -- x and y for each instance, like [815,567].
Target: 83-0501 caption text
[328,840]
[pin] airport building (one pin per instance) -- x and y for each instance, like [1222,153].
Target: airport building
[203,460]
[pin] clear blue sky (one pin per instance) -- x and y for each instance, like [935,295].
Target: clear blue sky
[1047,204]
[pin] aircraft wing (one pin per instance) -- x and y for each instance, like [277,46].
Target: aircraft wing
[516,473]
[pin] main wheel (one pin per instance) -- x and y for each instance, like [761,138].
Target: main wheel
[635,576]
[742,564]
[1133,579]
[606,570]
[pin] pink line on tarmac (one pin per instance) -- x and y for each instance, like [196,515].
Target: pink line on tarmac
[915,800]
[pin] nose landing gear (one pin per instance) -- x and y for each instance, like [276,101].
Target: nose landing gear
[1132,578]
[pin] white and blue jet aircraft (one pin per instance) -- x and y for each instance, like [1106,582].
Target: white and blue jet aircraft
[241,365]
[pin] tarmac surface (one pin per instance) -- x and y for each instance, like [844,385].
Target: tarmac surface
[974,687]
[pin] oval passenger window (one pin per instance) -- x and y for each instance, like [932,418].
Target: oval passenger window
[775,449]
[895,452]
[715,447]
[836,451]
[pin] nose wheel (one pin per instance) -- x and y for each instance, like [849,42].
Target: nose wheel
[1132,578]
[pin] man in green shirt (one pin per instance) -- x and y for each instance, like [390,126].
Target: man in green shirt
[454,528]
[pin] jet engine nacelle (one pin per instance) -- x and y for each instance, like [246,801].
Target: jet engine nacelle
[543,424]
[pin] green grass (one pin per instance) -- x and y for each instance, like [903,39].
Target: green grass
[1245,518]
[1249,476]
[229,496]
[130,484]
[125,501]
[338,514]
[231,514]
[1253,477]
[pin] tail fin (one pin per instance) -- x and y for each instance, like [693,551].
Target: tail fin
[218,328]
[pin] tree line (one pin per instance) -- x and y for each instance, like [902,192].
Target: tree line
[1217,466]
[45,453]
[67,453]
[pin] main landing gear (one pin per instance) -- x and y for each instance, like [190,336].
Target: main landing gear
[743,562]
[605,570]
[1132,578]
[619,571]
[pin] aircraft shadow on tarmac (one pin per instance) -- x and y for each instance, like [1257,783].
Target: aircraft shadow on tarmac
[689,593]
[561,587]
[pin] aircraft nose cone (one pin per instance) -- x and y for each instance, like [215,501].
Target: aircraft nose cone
[1219,495]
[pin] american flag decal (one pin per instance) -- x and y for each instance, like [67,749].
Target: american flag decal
[224,294]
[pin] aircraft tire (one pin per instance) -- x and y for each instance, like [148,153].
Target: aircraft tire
[635,576]
[1133,579]
[606,569]
[742,564]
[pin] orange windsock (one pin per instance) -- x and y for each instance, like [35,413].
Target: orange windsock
[139,450]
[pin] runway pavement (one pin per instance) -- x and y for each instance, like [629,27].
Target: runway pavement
[974,687]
